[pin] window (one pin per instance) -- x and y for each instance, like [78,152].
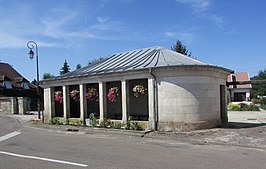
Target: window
[8,85]
[25,86]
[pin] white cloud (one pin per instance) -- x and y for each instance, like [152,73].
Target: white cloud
[170,34]
[56,26]
[201,5]
[185,37]
[202,8]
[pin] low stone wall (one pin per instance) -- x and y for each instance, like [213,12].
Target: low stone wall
[6,105]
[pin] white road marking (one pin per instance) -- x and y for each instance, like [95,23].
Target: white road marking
[44,159]
[7,136]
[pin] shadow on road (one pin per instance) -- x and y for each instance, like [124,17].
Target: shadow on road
[240,125]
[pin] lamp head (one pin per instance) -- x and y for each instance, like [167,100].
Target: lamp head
[31,54]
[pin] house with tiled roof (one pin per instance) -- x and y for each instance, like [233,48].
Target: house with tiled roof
[239,93]
[162,88]
[15,91]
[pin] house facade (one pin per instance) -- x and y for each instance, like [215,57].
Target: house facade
[15,91]
[239,93]
[165,89]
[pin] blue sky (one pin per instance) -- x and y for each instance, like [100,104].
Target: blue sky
[228,33]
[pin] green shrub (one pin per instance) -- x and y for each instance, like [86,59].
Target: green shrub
[116,124]
[106,123]
[132,125]
[242,107]
[255,101]
[75,121]
[59,120]
[263,106]
[233,107]
[263,101]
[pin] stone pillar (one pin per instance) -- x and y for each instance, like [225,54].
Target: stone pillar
[102,100]
[49,105]
[125,99]
[83,102]
[151,96]
[22,105]
[66,101]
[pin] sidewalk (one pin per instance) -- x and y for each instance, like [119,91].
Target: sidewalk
[245,129]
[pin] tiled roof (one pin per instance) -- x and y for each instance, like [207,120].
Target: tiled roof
[8,73]
[241,76]
[133,60]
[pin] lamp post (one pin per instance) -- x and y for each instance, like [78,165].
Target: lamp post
[31,45]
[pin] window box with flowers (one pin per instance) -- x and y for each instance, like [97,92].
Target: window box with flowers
[92,94]
[74,94]
[113,93]
[139,90]
[58,96]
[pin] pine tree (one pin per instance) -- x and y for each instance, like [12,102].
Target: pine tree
[180,48]
[78,66]
[65,69]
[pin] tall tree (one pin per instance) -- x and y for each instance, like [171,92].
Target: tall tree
[34,82]
[180,48]
[259,89]
[65,69]
[78,66]
[95,60]
[47,76]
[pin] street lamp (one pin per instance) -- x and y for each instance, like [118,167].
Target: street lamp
[31,45]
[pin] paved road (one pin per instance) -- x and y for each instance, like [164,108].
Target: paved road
[42,148]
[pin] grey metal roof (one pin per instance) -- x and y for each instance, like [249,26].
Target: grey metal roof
[137,59]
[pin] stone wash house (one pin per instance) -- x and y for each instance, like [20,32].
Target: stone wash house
[178,93]
[15,91]
[239,93]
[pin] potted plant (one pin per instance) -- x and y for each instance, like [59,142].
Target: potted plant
[92,94]
[139,90]
[58,96]
[74,94]
[113,93]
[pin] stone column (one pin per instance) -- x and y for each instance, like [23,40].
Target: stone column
[49,105]
[102,100]
[125,99]
[66,101]
[22,105]
[151,96]
[83,102]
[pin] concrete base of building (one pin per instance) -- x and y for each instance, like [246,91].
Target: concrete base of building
[185,126]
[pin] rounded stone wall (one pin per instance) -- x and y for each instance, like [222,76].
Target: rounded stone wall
[189,99]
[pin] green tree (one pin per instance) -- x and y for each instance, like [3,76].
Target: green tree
[78,66]
[95,60]
[65,69]
[259,89]
[34,82]
[180,48]
[47,76]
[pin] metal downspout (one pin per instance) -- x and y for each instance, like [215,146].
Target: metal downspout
[155,101]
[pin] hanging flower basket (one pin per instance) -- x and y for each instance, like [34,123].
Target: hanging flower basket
[58,96]
[113,93]
[92,94]
[139,90]
[74,94]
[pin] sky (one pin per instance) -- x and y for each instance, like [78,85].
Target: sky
[227,33]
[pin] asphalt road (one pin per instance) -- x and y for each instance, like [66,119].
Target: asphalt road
[37,148]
